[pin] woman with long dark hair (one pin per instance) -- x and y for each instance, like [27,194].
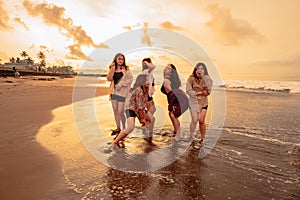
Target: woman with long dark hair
[176,106]
[198,87]
[121,79]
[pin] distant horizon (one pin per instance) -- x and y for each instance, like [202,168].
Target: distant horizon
[246,77]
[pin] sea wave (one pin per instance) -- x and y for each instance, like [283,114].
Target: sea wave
[263,86]
[244,85]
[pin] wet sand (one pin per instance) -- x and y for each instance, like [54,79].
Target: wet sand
[252,159]
[28,170]
[256,157]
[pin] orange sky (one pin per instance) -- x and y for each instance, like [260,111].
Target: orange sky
[245,39]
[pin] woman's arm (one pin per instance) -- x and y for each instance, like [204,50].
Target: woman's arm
[189,87]
[209,83]
[150,66]
[166,86]
[111,72]
[163,90]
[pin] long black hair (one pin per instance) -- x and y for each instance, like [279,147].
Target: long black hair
[140,80]
[147,60]
[115,60]
[196,68]
[174,78]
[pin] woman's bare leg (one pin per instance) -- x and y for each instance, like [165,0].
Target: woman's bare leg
[202,125]
[176,125]
[121,114]
[114,104]
[151,107]
[126,131]
[193,124]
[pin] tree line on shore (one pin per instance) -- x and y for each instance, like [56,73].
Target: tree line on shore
[29,63]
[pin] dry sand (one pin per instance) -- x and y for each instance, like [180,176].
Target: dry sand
[28,170]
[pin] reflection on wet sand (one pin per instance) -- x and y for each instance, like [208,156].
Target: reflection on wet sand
[249,160]
[91,179]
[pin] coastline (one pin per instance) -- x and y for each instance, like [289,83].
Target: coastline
[28,170]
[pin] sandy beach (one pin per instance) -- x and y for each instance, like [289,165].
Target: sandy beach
[28,170]
[43,157]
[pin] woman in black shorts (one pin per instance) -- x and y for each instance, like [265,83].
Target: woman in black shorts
[136,107]
[121,79]
[198,87]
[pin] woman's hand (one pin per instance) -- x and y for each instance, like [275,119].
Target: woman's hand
[112,66]
[143,122]
[117,87]
[144,118]
[205,92]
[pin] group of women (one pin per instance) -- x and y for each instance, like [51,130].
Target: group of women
[129,103]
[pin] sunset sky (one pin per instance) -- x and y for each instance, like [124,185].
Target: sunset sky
[245,39]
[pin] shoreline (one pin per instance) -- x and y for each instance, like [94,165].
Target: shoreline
[28,170]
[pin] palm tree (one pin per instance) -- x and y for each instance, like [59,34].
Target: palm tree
[29,61]
[40,55]
[18,60]
[12,60]
[43,63]
[24,54]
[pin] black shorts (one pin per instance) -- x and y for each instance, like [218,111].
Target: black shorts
[117,97]
[205,107]
[130,113]
[150,98]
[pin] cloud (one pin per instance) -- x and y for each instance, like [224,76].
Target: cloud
[31,47]
[43,47]
[127,27]
[51,14]
[227,30]
[169,25]
[79,36]
[146,38]
[101,45]
[4,18]
[54,16]
[292,61]
[60,62]
[76,53]
[18,20]
[3,56]
[101,8]
[132,26]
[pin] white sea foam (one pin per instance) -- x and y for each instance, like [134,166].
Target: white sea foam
[106,84]
[276,86]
